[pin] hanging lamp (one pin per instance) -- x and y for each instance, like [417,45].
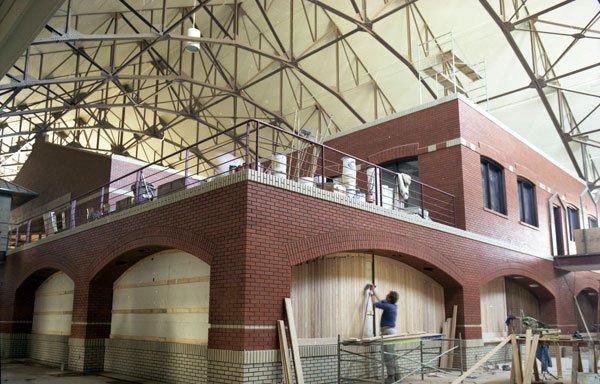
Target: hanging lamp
[193,32]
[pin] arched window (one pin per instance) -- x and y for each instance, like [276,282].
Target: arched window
[492,180]
[527,201]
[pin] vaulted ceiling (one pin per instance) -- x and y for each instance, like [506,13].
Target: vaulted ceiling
[114,76]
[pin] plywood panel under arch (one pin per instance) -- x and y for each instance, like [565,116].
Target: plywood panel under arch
[164,297]
[53,306]
[520,300]
[493,309]
[328,295]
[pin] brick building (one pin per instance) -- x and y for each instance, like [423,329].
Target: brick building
[186,285]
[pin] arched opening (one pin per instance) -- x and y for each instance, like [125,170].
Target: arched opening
[52,316]
[586,309]
[159,317]
[508,297]
[329,297]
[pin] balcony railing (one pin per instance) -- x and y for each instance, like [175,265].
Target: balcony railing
[254,145]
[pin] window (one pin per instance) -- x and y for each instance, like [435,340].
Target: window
[592,222]
[527,202]
[410,166]
[492,179]
[573,215]
[558,230]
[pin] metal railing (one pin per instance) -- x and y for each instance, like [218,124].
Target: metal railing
[254,145]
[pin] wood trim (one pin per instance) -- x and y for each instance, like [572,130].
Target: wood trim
[185,280]
[160,339]
[150,311]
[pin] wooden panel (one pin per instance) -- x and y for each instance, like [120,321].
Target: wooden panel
[493,308]
[421,299]
[53,306]
[328,295]
[520,298]
[165,297]
[587,240]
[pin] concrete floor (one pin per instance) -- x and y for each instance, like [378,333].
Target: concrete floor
[21,371]
[17,371]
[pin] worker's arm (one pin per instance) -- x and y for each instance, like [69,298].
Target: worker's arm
[373,293]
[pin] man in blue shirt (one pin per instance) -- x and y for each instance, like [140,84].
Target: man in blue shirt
[387,326]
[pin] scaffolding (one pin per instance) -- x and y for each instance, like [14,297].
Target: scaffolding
[445,69]
[363,361]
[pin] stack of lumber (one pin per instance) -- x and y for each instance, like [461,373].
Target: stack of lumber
[283,346]
[449,331]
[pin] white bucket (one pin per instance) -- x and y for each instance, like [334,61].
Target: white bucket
[306,181]
[349,172]
[279,165]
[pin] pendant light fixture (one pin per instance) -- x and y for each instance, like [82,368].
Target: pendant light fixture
[193,32]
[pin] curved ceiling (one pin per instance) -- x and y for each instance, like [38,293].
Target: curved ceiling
[114,75]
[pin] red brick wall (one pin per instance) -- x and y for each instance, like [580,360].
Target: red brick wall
[53,171]
[251,235]
[502,147]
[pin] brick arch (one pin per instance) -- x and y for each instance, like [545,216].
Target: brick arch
[548,292]
[584,281]
[154,239]
[414,252]
[48,261]
[24,294]
[398,152]
[127,251]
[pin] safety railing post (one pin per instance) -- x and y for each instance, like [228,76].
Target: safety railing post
[187,169]
[322,167]
[247,144]
[28,232]
[256,167]
[16,235]
[422,201]
[71,214]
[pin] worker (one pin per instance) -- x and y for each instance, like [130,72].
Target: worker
[387,326]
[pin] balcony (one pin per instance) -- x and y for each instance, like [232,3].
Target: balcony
[253,146]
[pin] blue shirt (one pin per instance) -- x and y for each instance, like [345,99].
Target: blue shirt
[390,311]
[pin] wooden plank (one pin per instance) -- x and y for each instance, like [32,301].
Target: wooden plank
[574,363]
[516,361]
[557,352]
[445,344]
[285,353]
[527,346]
[294,339]
[452,336]
[530,360]
[482,361]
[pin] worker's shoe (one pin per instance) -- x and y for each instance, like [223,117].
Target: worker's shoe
[390,379]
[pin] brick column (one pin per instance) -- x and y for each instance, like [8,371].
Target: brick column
[92,304]
[468,322]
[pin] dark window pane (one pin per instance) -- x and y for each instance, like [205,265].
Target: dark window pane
[527,202]
[573,215]
[593,222]
[492,182]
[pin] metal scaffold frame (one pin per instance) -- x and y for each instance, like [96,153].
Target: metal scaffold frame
[371,355]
